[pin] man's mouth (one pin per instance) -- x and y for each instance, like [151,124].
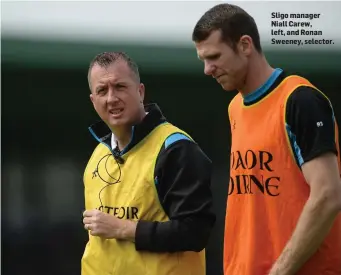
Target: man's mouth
[217,77]
[116,111]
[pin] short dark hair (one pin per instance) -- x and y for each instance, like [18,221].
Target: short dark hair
[105,59]
[233,22]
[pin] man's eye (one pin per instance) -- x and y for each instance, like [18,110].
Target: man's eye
[213,57]
[120,87]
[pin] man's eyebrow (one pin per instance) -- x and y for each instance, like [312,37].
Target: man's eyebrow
[212,56]
[99,86]
[209,56]
[121,82]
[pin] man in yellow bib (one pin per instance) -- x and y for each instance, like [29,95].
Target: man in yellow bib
[147,184]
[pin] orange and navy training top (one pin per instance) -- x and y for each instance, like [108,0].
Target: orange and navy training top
[275,130]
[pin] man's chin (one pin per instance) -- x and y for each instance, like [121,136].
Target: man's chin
[228,88]
[117,123]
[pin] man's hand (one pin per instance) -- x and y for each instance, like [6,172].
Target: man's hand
[108,226]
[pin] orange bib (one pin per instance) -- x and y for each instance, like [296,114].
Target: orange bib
[267,190]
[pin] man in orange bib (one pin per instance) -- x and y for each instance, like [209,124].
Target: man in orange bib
[284,195]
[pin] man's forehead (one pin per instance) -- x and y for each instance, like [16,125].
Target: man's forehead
[206,50]
[209,46]
[113,71]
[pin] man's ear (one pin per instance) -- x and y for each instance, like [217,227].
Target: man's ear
[245,45]
[141,92]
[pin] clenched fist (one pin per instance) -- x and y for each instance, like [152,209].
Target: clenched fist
[108,226]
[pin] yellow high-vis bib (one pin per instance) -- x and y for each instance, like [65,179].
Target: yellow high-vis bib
[133,197]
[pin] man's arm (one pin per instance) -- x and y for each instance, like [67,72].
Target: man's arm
[183,177]
[306,109]
[317,217]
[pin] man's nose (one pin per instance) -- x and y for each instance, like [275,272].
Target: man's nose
[209,68]
[112,97]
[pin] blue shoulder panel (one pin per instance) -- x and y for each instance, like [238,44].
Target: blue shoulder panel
[174,138]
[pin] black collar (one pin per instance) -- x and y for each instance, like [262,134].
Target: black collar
[102,133]
[268,90]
